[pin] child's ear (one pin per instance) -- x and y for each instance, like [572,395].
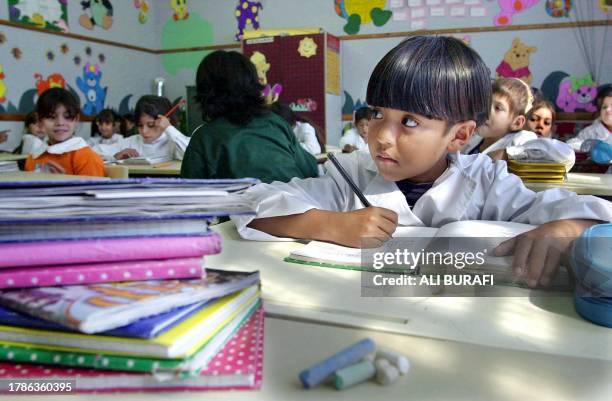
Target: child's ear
[461,134]
[517,123]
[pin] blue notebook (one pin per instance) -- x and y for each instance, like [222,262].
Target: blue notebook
[145,328]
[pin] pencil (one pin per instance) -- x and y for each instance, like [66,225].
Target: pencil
[346,177]
[174,108]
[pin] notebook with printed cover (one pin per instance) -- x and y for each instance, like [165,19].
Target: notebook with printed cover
[99,307]
[238,366]
[60,253]
[92,273]
[532,167]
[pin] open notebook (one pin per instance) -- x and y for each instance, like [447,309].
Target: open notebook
[453,237]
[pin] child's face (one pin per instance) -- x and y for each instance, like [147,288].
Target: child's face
[540,122]
[148,129]
[106,128]
[36,129]
[500,120]
[60,125]
[409,146]
[606,112]
[362,128]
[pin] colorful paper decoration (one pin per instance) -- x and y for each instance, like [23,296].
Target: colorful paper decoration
[101,58]
[64,48]
[516,62]
[95,95]
[247,13]
[16,52]
[52,81]
[143,7]
[2,85]
[96,12]
[307,48]
[2,38]
[192,32]
[270,92]
[507,8]
[605,6]
[361,12]
[88,51]
[48,14]
[77,60]
[577,93]
[559,8]
[50,55]
[180,9]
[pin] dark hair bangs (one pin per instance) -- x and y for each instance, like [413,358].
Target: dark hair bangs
[437,77]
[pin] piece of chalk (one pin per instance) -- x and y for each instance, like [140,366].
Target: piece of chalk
[400,361]
[354,374]
[316,374]
[385,372]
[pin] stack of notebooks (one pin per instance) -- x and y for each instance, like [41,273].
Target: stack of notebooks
[104,280]
[548,172]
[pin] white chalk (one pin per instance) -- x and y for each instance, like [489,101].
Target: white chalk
[385,372]
[398,360]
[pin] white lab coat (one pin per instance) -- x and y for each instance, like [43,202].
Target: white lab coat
[597,130]
[99,140]
[171,143]
[511,139]
[31,143]
[352,137]
[472,188]
[307,137]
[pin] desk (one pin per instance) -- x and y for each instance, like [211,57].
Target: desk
[172,168]
[580,183]
[35,176]
[440,370]
[9,157]
[523,321]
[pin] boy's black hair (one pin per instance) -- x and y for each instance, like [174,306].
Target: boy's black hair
[106,116]
[363,113]
[152,106]
[604,92]
[285,112]
[227,86]
[50,99]
[437,77]
[30,118]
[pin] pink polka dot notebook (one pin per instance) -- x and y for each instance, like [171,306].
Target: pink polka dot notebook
[238,366]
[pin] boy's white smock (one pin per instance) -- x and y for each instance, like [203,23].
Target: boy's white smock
[472,188]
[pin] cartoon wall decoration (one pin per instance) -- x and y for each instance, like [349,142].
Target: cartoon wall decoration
[559,8]
[516,62]
[64,49]
[306,105]
[77,60]
[247,13]
[143,8]
[180,9]
[96,12]
[17,53]
[577,93]
[361,12]
[418,12]
[2,38]
[52,81]
[194,31]
[349,105]
[307,48]
[2,85]
[507,8]
[270,92]
[89,84]
[48,14]
[605,6]
[50,55]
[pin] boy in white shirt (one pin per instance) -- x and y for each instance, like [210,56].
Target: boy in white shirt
[357,138]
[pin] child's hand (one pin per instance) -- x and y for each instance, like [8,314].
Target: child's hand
[365,228]
[53,168]
[348,149]
[537,253]
[162,122]
[126,154]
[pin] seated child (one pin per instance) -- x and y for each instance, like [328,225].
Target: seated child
[127,127]
[65,153]
[34,136]
[601,129]
[415,175]
[157,136]
[357,138]
[105,122]
[511,100]
[541,118]
[305,132]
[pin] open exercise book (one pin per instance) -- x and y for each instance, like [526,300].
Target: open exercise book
[481,236]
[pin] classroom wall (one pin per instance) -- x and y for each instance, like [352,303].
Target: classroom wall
[557,49]
[126,73]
